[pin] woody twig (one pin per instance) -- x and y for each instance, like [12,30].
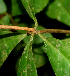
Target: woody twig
[32,30]
[16,28]
[54,31]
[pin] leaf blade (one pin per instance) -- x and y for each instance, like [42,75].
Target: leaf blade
[59,9]
[5,20]
[39,5]
[8,43]
[58,53]
[28,4]
[3,8]
[26,64]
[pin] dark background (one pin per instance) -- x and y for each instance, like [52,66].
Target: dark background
[8,68]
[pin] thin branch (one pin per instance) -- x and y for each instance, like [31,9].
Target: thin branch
[16,28]
[32,30]
[54,31]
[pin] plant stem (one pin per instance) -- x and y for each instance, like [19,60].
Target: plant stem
[16,28]
[54,31]
[32,30]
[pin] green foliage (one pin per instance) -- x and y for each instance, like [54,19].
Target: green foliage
[60,10]
[3,8]
[7,43]
[28,4]
[59,54]
[35,50]
[27,62]
[39,5]
[14,6]
[5,20]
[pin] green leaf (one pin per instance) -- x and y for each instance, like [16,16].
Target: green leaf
[37,39]
[39,5]
[5,20]
[3,8]
[67,39]
[60,10]
[39,56]
[45,34]
[58,53]
[40,60]
[8,41]
[17,8]
[28,4]
[27,39]
[26,64]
